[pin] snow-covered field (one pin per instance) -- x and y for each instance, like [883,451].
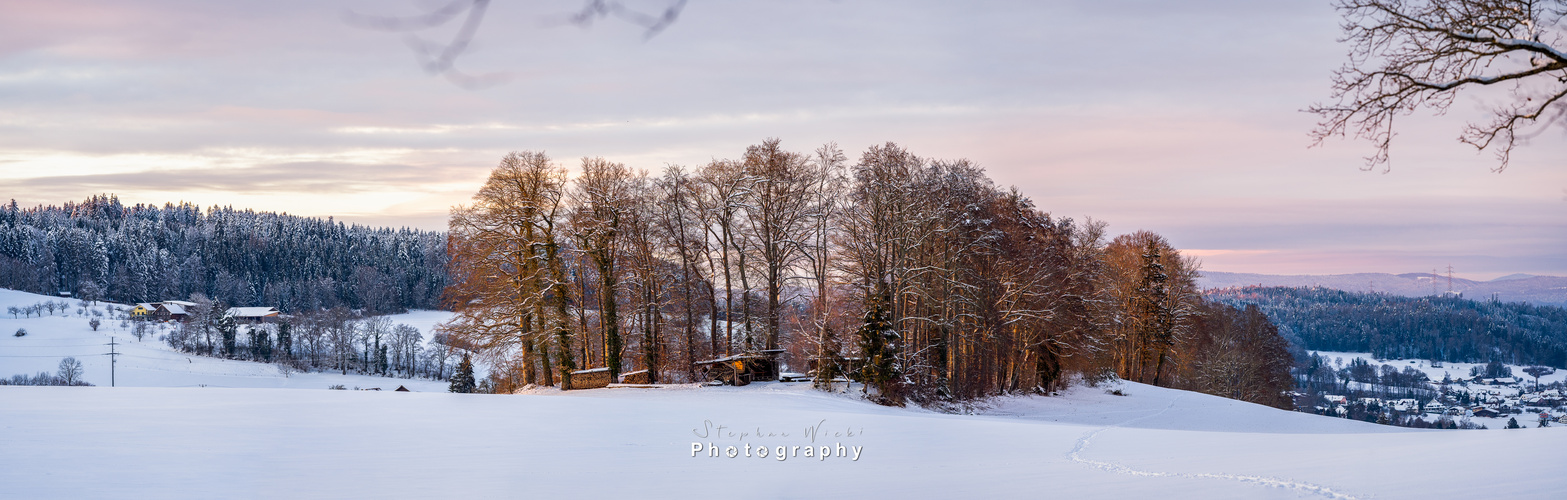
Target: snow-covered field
[99,442]
[191,427]
[150,362]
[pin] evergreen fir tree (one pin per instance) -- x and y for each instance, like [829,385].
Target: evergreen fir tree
[253,343]
[261,344]
[878,347]
[1156,329]
[462,380]
[380,360]
[228,330]
[285,340]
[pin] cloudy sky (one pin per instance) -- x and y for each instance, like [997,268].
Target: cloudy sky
[1177,117]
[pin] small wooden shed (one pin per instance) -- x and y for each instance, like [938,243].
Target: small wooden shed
[741,369]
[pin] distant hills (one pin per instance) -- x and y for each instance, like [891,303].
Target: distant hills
[1392,327]
[1539,290]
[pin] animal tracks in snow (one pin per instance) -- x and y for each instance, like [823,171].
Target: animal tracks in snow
[1082,443]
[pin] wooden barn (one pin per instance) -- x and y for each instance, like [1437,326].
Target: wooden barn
[252,315]
[173,310]
[741,369]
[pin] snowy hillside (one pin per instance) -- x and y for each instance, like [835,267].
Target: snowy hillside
[150,362]
[95,442]
[180,426]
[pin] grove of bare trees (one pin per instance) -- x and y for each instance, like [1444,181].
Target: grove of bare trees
[920,278]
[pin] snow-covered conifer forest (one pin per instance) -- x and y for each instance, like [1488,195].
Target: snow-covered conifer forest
[100,249]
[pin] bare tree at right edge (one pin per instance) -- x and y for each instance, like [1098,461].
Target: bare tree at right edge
[1409,54]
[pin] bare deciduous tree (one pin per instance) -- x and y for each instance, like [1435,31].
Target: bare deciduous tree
[440,58]
[70,371]
[1409,54]
[506,266]
[602,196]
[779,222]
[725,189]
[686,239]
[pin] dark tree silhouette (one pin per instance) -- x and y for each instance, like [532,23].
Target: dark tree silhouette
[1537,372]
[440,58]
[1409,54]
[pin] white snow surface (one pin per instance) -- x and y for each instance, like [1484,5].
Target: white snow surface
[253,434]
[96,442]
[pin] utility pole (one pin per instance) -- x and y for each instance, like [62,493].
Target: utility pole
[114,357]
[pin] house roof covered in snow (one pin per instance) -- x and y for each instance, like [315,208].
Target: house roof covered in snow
[251,312]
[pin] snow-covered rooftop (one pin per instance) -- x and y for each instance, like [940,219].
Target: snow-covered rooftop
[251,312]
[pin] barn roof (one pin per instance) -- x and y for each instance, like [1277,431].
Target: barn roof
[251,312]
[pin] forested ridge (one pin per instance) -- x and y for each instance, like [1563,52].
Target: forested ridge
[1393,327]
[99,249]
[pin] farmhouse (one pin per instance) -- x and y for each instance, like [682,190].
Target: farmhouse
[144,309]
[1481,411]
[251,315]
[175,310]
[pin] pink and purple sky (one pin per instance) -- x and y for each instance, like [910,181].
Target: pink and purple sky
[1177,117]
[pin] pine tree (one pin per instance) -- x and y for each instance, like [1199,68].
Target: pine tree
[254,343]
[261,345]
[878,348]
[462,380]
[228,329]
[380,360]
[285,340]
[1156,329]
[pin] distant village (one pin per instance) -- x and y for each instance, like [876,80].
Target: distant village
[1478,401]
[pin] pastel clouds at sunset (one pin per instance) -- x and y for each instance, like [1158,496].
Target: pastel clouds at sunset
[1179,118]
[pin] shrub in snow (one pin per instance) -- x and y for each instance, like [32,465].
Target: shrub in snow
[44,378]
[94,323]
[21,332]
[338,387]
